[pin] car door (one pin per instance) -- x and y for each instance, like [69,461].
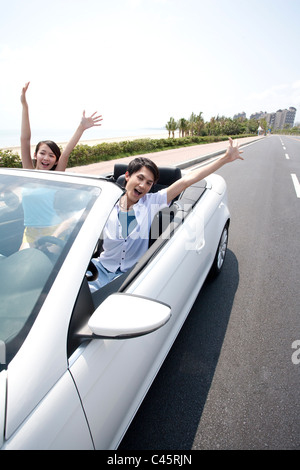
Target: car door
[112,376]
[43,409]
[181,266]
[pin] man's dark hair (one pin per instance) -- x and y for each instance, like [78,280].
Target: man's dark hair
[138,162]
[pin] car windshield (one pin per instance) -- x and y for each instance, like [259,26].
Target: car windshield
[39,220]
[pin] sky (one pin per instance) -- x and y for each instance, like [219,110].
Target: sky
[139,62]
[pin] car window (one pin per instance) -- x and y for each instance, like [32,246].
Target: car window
[39,221]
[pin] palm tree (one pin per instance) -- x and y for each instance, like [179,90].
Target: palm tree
[199,124]
[183,126]
[211,125]
[192,122]
[168,127]
[171,126]
[196,124]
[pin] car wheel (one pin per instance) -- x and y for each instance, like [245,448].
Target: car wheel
[220,254]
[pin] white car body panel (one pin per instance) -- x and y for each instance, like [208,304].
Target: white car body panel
[52,324]
[61,413]
[50,401]
[129,365]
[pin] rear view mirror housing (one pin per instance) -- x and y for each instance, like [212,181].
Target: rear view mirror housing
[124,315]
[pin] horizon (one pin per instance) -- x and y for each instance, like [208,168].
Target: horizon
[10,138]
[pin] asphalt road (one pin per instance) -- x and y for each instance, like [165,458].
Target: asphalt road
[229,381]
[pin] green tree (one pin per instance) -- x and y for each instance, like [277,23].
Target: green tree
[183,126]
[192,123]
[252,126]
[196,124]
[264,125]
[171,126]
[199,124]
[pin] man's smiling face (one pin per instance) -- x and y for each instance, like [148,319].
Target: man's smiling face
[138,184]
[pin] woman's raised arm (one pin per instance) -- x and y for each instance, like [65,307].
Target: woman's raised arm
[25,131]
[86,123]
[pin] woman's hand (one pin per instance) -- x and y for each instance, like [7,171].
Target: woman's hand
[87,122]
[23,95]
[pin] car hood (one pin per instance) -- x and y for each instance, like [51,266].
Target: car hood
[3,377]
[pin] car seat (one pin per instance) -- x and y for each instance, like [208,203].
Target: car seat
[167,176]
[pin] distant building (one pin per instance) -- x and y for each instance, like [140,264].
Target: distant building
[270,118]
[290,116]
[260,115]
[240,116]
[282,119]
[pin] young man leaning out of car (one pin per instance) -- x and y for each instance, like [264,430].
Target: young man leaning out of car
[126,234]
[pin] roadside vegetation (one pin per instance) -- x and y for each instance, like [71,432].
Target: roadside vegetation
[217,126]
[86,154]
[182,133]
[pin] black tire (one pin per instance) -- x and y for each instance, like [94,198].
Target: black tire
[219,259]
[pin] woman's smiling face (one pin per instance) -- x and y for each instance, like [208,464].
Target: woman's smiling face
[45,158]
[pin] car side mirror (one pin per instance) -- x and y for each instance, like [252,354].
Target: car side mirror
[124,315]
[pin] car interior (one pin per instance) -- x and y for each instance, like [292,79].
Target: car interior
[163,226]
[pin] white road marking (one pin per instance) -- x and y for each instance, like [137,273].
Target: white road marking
[296,184]
[287,157]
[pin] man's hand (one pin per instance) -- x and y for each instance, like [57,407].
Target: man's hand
[233,152]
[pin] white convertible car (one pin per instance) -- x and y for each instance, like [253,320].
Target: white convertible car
[75,366]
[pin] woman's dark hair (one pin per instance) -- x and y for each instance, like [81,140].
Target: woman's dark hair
[137,163]
[53,146]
